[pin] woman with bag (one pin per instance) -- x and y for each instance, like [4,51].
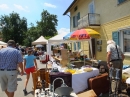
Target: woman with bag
[30,66]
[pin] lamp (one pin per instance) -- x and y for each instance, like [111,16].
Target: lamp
[64,90]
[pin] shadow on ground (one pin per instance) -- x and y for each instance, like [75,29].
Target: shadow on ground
[123,94]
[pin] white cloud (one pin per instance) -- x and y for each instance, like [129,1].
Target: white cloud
[63,30]
[49,5]
[21,8]
[4,6]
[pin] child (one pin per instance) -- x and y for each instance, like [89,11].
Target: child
[29,67]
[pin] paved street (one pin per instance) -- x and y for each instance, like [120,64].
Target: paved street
[21,79]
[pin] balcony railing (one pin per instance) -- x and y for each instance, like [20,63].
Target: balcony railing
[90,20]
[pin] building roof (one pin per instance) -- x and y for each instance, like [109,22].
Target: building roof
[69,7]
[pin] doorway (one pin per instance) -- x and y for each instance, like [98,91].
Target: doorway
[93,48]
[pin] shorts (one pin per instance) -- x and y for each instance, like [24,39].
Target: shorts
[30,70]
[8,80]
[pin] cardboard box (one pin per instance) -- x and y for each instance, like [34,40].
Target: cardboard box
[89,93]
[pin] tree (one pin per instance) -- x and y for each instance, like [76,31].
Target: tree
[47,25]
[13,27]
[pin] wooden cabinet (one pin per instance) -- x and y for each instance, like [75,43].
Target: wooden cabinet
[64,59]
[64,54]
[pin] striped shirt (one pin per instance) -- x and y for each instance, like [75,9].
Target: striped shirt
[9,58]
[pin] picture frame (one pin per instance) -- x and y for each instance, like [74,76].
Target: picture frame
[99,42]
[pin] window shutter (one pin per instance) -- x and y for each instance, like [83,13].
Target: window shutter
[74,46]
[76,21]
[79,45]
[73,21]
[91,7]
[115,37]
[78,16]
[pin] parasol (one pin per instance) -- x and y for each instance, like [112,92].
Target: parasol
[67,37]
[84,34]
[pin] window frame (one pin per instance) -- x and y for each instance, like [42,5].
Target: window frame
[121,37]
[75,20]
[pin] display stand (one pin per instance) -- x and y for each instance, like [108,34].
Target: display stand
[61,55]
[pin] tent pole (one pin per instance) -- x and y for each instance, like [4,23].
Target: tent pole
[83,53]
[90,42]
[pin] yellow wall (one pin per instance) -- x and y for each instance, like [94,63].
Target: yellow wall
[106,33]
[112,18]
[83,10]
[109,10]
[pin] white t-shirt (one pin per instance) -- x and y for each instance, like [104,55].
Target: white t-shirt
[114,54]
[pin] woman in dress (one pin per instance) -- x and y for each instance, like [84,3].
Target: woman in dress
[30,66]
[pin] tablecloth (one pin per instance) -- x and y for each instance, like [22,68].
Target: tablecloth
[80,81]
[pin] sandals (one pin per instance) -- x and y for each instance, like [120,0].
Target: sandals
[25,92]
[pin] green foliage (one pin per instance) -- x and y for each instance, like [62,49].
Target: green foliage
[47,24]
[13,27]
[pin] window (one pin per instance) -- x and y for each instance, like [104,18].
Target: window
[91,7]
[77,46]
[121,1]
[126,40]
[75,20]
[75,8]
[122,38]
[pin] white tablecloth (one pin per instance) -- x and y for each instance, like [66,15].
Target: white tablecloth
[80,81]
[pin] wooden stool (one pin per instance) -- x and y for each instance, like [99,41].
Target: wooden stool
[35,76]
[44,75]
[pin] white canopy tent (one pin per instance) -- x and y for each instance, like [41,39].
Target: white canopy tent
[40,40]
[55,40]
[3,44]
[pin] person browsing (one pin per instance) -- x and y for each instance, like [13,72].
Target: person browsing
[30,66]
[10,59]
[115,59]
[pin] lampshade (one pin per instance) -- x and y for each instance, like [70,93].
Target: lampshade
[63,91]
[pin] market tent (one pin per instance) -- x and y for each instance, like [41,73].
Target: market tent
[55,40]
[58,38]
[2,43]
[40,40]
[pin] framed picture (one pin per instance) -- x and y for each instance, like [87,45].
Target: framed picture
[99,42]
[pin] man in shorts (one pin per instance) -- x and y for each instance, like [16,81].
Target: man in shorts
[10,59]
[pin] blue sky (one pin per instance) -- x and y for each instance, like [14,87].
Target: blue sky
[31,10]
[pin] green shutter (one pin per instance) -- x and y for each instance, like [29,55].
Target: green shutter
[78,16]
[79,45]
[115,37]
[74,46]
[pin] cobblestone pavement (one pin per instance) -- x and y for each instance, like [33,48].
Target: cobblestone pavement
[21,79]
